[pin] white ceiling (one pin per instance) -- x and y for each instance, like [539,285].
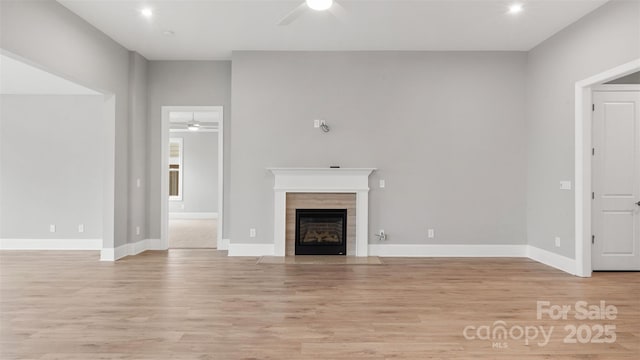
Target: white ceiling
[212,29]
[19,78]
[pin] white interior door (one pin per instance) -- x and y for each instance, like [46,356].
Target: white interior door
[616,180]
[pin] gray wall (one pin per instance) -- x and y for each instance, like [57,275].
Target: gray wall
[138,68]
[183,83]
[445,130]
[48,34]
[200,174]
[608,37]
[51,156]
[629,79]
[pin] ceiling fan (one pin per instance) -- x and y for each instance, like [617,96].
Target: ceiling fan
[181,124]
[197,126]
[317,5]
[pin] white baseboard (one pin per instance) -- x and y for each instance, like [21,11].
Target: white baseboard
[251,249]
[223,244]
[431,250]
[384,250]
[192,215]
[113,254]
[107,254]
[552,259]
[50,244]
[154,244]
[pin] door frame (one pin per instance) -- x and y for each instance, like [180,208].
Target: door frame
[582,160]
[164,175]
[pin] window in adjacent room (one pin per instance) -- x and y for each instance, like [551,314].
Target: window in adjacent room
[175,169]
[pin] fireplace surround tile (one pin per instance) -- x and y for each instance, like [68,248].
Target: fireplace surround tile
[320,201]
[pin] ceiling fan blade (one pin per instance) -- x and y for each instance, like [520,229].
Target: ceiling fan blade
[294,14]
[339,12]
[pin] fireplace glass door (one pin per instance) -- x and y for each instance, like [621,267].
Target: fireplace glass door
[321,231]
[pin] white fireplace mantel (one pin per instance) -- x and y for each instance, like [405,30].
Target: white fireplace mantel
[318,180]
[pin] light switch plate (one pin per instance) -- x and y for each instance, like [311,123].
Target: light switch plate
[431,233]
[81,228]
[316,123]
[565,185]
[252,232]
[557,241]
[52,228]
[382,184]
[137,230]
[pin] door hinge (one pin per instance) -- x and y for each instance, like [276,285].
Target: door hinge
[593,151]
[593,107]
[593,239]
[593,196]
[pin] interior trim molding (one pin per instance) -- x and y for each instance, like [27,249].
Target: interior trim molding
[50,244]
[165,134]
[404,250]
[193,215]
[552,259]
[545,257]
[440,250]
[321,180]
[113,254]
[582,161]
[251,249]
[224,244]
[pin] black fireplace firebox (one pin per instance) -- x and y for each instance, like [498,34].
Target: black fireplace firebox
[321,231]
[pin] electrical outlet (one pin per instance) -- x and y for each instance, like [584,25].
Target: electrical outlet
[81,228]
[382,184]
[138,182]
[557,241]
[316,123]
[252,232]
[137,230]
[565,185]
[431,233]
[52,228]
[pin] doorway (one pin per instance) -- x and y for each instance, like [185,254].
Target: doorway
[192,177]
[582,161]
[58,189]
[616,178]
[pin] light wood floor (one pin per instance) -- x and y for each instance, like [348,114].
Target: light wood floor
[193,233]
[200,304]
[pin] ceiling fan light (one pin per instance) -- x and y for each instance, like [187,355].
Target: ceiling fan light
[516,8]
[146,12]
[319,5]
[193,127]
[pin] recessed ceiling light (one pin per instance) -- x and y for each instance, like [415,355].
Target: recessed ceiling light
[319,5]
[146,12]
[515,8]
